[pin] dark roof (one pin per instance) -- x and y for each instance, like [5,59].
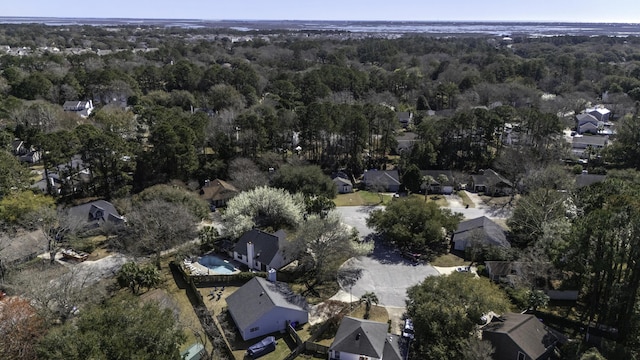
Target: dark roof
[96,211]
[266,245]
[526,331]
[258,297]
[490,176]
[583,180]
[365,337]
[404,116]
[493,234]
[586,118]
[501,268]
[590,140]
[218,190]
[381,177]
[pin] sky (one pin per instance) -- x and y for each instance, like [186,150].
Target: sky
[621,11]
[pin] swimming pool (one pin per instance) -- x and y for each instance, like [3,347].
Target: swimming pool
[217,265]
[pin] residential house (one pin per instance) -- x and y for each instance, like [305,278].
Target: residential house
[358,339]
[587,123]
[512,273]
[262,251]
[83,108]
[53,180]
[503,271]
[491,183]
[599,112]
[261,307]
[405,119]
[437,183]
[96,213]
[586,179]
[18,147]
[25,153]
[480,230]
[405,142]
[382,180]
[343,185]
[519,337]
[218,192]
[581,145]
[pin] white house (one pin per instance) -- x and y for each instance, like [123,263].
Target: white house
[261,307]
[358,339]
[262,251]
[83,108]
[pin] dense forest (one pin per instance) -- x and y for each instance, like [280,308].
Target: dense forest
[191,105]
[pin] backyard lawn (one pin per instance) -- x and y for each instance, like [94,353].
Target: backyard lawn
[448,260]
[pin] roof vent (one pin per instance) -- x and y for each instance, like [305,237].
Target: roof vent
[358,336]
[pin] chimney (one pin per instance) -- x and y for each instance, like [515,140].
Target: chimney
[271,275]
[250,254]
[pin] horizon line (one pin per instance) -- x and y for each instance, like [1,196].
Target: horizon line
[322,20]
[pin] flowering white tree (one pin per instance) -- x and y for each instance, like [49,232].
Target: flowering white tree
[263,207]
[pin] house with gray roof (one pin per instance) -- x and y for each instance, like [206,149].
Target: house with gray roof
[599,112]
[490,183]
[96,213]
[405,118]
[587,123]
[364,339]
[586,179]
[82,108]
[580,144]
[480,230]
[520,336]
[441,181]
[382,180]
[343,185]
[262,251]
[261,307]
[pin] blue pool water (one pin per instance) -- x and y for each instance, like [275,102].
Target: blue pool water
[216,264]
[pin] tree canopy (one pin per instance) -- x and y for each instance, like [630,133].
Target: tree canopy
[263,207]
[135,331]
[412,224]
[447,309]
[308,180]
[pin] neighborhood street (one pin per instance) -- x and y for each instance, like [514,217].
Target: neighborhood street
[385,272]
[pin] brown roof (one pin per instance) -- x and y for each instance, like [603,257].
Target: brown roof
[218,190]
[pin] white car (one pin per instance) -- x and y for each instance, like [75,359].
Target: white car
[407,330]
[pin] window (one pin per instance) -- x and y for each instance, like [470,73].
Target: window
[521,356]
[254,329]
[336,355]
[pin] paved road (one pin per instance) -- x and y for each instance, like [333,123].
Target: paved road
[356,216]
[385,272]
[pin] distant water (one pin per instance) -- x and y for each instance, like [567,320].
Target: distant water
[390,27]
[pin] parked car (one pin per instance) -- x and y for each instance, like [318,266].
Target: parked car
[407,330]
[463,269]
[261,348]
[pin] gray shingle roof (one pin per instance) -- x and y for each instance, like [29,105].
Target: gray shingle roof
[266,245]
[95,211]
[362,337]
[583,180]
[526,331]
[381,177]
[492,233]
[258,297]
